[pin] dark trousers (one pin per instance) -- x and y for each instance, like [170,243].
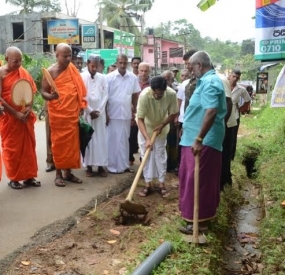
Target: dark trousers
[226,175]
[234,142]
[179,146]
[133,142]
[49,159]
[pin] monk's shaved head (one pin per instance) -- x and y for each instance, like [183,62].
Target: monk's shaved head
[63,55]
[13,50]
[62,47]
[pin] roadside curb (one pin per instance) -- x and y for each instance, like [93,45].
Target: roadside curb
[60,227]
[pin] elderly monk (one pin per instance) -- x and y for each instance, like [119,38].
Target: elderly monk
[17,125]
[64,108]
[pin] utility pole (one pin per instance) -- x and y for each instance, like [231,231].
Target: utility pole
[155,55]
[102,46]
[142,31]
[121,50]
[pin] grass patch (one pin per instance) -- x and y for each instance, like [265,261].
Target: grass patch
[187,258]
[267,135]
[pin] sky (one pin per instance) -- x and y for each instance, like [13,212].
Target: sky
[226,20]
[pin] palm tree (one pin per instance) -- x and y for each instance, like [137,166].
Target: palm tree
[124,14]
[30,5]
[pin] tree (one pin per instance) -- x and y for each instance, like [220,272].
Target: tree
[74,10]
[35,5]
[124,14]
[247,47]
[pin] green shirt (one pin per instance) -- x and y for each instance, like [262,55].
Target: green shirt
[154,111]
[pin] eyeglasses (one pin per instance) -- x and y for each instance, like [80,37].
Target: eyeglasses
[15,61]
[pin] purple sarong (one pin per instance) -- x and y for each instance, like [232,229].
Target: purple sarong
[209,183]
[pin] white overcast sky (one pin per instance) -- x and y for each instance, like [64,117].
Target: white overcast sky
[226,20]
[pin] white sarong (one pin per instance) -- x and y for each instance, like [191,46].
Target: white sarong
[155,166]
[118,145]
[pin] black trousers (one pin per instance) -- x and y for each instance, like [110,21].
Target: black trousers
[133,142]
[234,142]
[226,175]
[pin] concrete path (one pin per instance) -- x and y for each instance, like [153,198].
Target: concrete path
[24,212]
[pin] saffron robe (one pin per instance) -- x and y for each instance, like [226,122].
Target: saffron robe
[18,138]
[64,117]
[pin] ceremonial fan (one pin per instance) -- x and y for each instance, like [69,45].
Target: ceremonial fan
[50,81]
[22,93]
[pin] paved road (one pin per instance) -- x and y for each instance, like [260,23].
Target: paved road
[23,212]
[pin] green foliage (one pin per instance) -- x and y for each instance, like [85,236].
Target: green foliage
[36,5]
[267,133]
[188,258]
[247,47]
[34,65]
[227,54]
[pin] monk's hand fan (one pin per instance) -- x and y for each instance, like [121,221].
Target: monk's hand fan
[50,81]
[22,93]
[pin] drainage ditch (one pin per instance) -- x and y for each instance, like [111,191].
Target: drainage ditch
[241,249]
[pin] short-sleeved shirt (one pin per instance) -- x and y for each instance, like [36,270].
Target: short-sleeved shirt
[209,94]
[120,91]
[227,87]
[155,111]
[181,96]
[239,92]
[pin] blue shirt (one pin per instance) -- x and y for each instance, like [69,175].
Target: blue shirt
[209,94]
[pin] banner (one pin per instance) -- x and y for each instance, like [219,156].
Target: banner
[270,31]
[278,93]
[109,55]
[63,31]
[262,83]
[262,3]
[88,33]
[124,42]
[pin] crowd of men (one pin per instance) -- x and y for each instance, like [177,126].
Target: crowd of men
[193,111]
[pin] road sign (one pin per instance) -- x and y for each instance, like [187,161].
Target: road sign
[88,33]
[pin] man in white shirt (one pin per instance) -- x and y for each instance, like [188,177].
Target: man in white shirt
[238,92]
[230,122]
[96,153]
[123,89]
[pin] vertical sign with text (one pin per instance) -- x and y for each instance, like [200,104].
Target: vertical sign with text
[88,33]
[270,31]
[278,93]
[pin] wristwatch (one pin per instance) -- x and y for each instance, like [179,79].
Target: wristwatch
[199,139]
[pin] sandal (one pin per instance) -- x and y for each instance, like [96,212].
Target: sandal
[102,172]
[15,185]
[59,182]
[129,170]
[145,192]
[70,177]
[89,173]
[32,182]
[163,192]
[188,229]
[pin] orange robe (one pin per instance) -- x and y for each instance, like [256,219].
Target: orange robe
[64,117]
[18,138]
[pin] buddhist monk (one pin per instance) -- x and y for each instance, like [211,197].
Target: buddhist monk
[64,107]
[17,125]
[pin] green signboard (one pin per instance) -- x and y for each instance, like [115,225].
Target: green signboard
[109,55]
[124,42]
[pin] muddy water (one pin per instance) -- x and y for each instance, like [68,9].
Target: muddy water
[241,253]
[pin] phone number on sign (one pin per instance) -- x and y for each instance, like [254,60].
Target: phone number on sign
[272,45]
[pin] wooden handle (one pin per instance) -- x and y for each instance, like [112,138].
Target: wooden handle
[139,172]
[196,200]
